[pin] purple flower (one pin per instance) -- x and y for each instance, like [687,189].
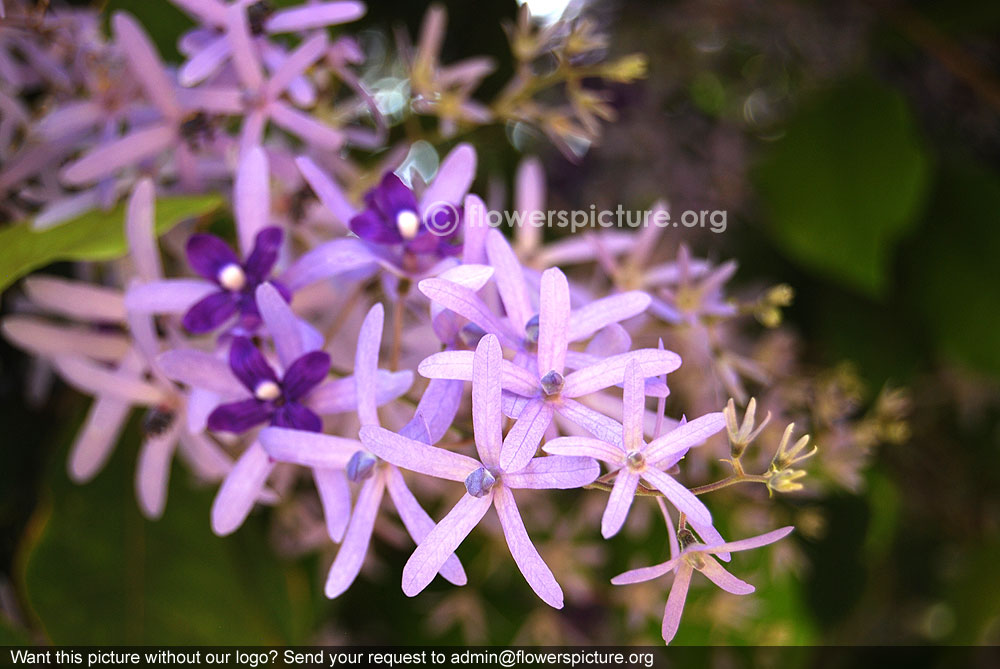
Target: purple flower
[212,258]
[275,400]
[696,556]
[487,482]
[635,459]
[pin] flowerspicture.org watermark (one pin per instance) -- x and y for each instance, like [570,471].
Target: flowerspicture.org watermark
[443,218]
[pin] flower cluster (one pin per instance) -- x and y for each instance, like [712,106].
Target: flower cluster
[341,331]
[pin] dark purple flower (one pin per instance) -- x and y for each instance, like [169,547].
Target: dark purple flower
[212,258]
[393,216]
[275,401]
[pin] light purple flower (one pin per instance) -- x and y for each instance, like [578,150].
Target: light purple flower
[636,460]
[696,556]
[345,456]
[488,482]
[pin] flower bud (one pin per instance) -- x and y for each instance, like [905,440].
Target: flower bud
[552,383]
[360,466]
[479,482]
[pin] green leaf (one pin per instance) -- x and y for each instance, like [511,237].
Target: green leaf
[98,573]
[845,181]
[95,235]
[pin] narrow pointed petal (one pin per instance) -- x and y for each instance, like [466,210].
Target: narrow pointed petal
[40,337]
[418,523]
[681,438]
[416,456]
[94,379]
[717,574]
[204,63]
[464,302]
[710,537]
[586,447]
[107,159]
[619,502]
[679,496]
[306,127]
[249,365]
[244,59]
[352,551]
[251,197]
[675,603]
[282,324]
[296,64]
[598,314]
[633,407]
[335,496]
[486,412]
[198,369]
[240,489]
[309,449]
[326,190]
[171,296]
[316,15]
[152,474]
[438,406]
[76,299]
[752,542]
[145,63]
[522,440]
[606,429]
[97,438]
[510,280]
[238,417]
[536,572]
[476,229]
[453,179]
[555,472]
[210,312]
[441,542]
[366,363]
[326,261]
[457,365]
[529,197]
[140,232]
[611,371]
[644,574]
[553,321]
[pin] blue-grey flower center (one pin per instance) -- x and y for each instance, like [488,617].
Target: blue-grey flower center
[360,466]
[635,460]
[531,330]
[552,383]
[479,482]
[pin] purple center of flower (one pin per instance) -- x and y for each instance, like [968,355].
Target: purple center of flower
[479,482]
[552,383]
[278,402]
[212,259]
[360,466]
[635,460]
[531,330]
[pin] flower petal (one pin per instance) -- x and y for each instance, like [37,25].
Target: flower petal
[679,496]
[553,321]
[611,371]
[97,438]
[521,443]
[752,542]
[252,199]
[249,365]
[240,489]
[619,502]
[555,472]
[722,578]
[335,496]
[140,232]
[633,407]
[675,602]
[198,369]
[586,447]
[152,474]
[453,178]
[238,417]
[366,363]
[316,15]
[606,429]
[170,296]
[644,574]
[685,436]
[352,551]
[309,449]
[305,373]
[210,312]
[416,456]
[536,572]
[598,314]
[486,413]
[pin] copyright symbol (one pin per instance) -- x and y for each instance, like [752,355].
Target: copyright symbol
[507,658]
[442,218]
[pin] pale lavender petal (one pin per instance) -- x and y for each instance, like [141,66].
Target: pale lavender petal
[554,472]
[598,314]
[282,324]
[464,302]
[521,442]
[611,340]
[145,63]
[97,438]
[536,572]
[644,574]
[619,502]
[69,118]
[76,299]
[510,280]
[717,574]
[327,260]
[152,473]
[553,321]
[470,275]
[529,197]
[352,552]
[486,413]
[335,496]
[140,232]
[200,405]
[207,459]
[711,537]
[211,13]
[457,365]
[42,338]
[170,296]
[240,489]
[251,197]
[675,602]
[63,210]
[633,407]
[244,53]
[585,446]
[94,379]
[604,428]
[107,159]
[611,371]
[441,542]
[296,63]
[453,179]
[252,130]
[316,15]
[682,498]
[519,380]
[205,62]
[326,190]
[476,228]
[366,363]
[438,406]
[309,449]
[752,542]
[416,456]
[685,436]
[418,523]
[306,127]
[198,369]
[214,100]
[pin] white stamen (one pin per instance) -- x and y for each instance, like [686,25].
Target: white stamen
[408,223]
[267,390]
[231,277]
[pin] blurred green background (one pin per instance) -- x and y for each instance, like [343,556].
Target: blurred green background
[856,147]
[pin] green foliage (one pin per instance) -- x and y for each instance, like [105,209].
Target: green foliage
[97,572]
[845,181]
[95,235]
